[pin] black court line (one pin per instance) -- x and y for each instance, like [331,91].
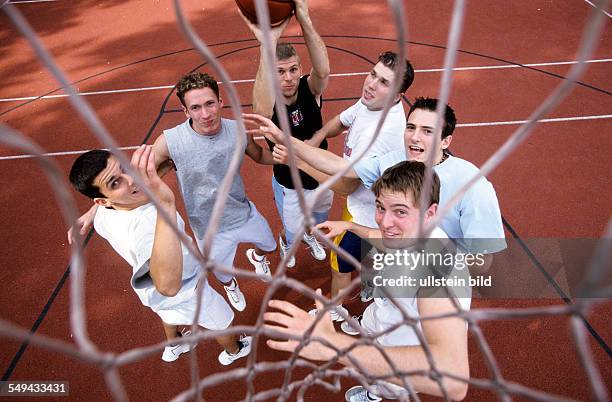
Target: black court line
[60,284]
[558,289]
[296,36]
[162,111]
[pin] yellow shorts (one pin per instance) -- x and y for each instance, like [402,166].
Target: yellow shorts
[333,257]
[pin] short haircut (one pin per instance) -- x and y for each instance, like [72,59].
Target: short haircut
[195,80]
[408,177]
[285,50]
[85,169]
[431,104]
[391,59]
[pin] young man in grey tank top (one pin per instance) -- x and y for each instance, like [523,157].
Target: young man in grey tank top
[201,149]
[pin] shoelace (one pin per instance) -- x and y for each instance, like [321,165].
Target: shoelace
[266,265]
[313,244]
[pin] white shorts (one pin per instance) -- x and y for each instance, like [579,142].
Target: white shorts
[215,313]
[288,207]
[255,230]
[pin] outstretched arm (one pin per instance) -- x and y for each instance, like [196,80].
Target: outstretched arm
[263,97]
[166,262]
[332,128]
[446,339]
[319,74]
[324,161]
[335,228]
[344,186]
[259,154]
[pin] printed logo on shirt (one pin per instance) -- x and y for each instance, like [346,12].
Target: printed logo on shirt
[296,117]
[348,150]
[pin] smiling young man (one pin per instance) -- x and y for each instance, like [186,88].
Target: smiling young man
[474,222]
[302,97]
[164,273]
[397,215]
[361,121]
[201,149]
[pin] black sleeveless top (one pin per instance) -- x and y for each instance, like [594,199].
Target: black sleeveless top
[304,119]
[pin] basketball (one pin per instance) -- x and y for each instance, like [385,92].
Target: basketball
[280,10]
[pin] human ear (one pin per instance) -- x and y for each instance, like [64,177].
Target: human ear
[431,211]
[446,142]
[103,202]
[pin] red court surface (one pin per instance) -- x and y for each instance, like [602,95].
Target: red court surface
[555,185]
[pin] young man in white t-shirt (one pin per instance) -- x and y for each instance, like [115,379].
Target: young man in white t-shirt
[397,216]
[361,121]
[474,222]
[164,273]
[200,149]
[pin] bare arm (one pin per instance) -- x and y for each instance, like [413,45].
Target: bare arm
[446,338]
[83,224]
[332,128]
[324,161]
[344,186]
[319,75]
[263,97]
[164,165]
[336,228]
[166,262]
[259,154]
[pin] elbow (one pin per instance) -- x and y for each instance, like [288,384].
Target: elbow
[456,390]
[168,289]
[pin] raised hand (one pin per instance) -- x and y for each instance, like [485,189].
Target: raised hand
[292,320]
[83,224]
[263,126]
[275,32]
[143,160]
[333,228]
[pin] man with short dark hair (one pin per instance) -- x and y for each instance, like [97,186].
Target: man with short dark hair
[201,148]
[474,222]
[361,121]
[397,217]
[164,273]
[302,96]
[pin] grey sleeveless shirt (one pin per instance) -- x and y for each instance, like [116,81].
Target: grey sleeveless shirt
[201,164]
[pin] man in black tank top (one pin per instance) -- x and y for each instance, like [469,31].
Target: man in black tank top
[302,96]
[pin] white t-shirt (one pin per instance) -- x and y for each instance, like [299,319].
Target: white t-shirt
[362,126]
[476,216]
[131,234]
[383,314]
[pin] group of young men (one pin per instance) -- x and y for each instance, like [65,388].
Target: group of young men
[384,201]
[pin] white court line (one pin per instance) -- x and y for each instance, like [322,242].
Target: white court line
[30,1]
[604,11]
[493,123]
[432,70]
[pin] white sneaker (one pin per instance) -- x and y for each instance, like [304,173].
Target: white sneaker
[227,358]
[235,296]
[349,329]
[367,293]
[284,249]
[172,352]
[333,313]
[262,267]
[358,393]
[317,251]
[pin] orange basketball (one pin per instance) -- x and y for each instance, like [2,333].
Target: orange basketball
[280,10]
